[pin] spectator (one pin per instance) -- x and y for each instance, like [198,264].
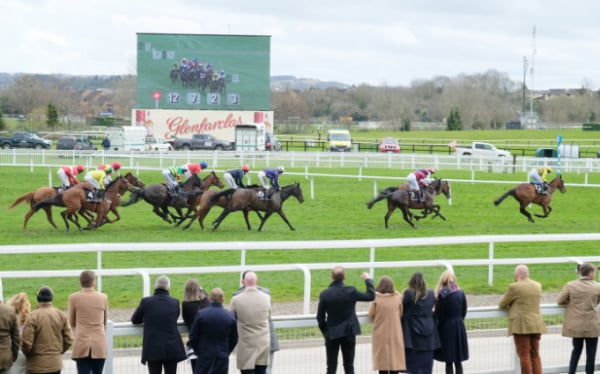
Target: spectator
[274,341]
[161,343]
[88,313]
[20,303]
[214,335]
[46,335]
[418,324]
[525,322]
[234,177]
[106,143]
[336,316]
[252,309]
[194,299]
[10,339]
[582,321]
[450,312]
[388,341]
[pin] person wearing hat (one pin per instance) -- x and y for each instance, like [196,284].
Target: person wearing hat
[46,335]
[538,177]
[581,321]
[234,177]
[418,180]
[269,178]
[68,175]
[97,179]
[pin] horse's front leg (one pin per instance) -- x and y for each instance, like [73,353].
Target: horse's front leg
[282,215]
[547,210]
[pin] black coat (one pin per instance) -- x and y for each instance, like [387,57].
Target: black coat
[213,336]
[190,308]
[450,312]
[418,324]
[336,313]
[159,314]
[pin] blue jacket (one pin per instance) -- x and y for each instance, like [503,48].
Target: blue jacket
[273,175]
[213,335]
[159,314]
[238,176]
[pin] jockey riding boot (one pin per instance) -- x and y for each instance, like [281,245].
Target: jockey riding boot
[421,195]
[99,195]
[173,190]
[266,195]
[544,188]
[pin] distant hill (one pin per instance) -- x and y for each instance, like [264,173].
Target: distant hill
[284,82]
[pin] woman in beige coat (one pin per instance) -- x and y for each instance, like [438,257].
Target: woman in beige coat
[388,341]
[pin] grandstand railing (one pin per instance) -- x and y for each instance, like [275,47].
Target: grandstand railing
[243,247]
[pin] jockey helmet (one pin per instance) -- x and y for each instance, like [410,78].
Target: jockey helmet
[208,65]
[80,168]
[431,170]
[203,165]
[108,170]
[549,169]
[280,169]
[246,168]
[194,168]
[116,165]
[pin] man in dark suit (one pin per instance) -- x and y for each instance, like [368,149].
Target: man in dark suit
[336,315]
[213,335]
[162,346]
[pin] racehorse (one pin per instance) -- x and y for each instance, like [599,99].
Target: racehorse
[526,194]
[244,199]
[158,196]
[398,197]
[207,202]
[174,75]
[75,200]
[114,194]
[44,193]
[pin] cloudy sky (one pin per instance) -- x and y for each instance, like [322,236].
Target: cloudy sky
[378,41]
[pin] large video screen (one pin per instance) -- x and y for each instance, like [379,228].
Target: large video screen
[215,72]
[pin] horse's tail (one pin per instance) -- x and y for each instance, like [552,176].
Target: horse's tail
[26,197]
[227,194]
[383,194]
[508,193]
[136,195]
[54,200]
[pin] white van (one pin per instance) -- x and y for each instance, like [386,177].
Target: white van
[127,138]
[339,140]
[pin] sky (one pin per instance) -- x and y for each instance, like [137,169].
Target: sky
[377,42]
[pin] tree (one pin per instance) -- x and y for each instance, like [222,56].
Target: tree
[51,116]
[454,121]
[2,123]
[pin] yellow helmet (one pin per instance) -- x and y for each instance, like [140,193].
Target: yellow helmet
[549,169]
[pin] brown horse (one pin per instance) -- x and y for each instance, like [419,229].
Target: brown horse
[526,194]
[158,196]
[245,198]
[207,202]
[76,200]
[401,198]
[44,193]
[115,194]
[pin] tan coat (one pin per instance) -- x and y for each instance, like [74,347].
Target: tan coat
[252,309]
[9,337]
[88,313]
[522,298]
[46,336]
[581,319]
[387,341]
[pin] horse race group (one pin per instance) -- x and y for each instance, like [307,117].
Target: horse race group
[100,194]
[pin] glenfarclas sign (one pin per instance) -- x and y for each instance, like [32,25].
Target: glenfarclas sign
[181,126]
[169,124]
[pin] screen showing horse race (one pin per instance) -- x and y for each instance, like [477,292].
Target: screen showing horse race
[184,71]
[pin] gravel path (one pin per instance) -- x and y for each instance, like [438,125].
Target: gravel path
[123,315]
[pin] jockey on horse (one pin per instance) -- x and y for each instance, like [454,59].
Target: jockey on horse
[418,180]
[537,177]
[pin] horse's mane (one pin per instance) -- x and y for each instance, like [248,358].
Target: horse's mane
[112,182]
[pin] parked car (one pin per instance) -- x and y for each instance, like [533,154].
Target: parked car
[272,143]
[389,145]
[75,143]
[156,144]
[202,141]
[23,139]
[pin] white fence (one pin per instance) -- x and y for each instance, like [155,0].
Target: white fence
[305,160]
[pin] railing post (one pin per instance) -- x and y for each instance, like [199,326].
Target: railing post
[491,266]
[312,188]
[307,281]
[99,270]
[374,188]
[109,364]
[372,261]
[146,281]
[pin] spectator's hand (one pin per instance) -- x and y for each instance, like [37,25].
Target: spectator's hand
[365,275]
